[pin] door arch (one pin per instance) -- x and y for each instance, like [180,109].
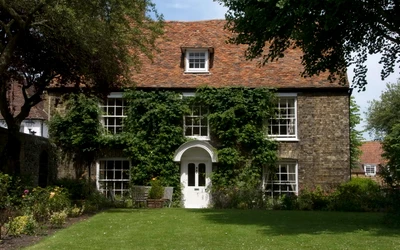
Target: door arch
[196,158]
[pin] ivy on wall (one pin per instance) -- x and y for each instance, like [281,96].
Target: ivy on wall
[238,119]
[153,130]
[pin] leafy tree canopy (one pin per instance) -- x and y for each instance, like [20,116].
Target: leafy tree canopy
[91,43]
[333,34]
[383,120]
[384,114]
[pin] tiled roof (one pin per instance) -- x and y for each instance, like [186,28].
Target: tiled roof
[371,153]
[229,66]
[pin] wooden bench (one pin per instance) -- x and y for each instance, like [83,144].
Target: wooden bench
[140,194]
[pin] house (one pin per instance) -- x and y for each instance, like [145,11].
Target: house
[312,129]
[370,160]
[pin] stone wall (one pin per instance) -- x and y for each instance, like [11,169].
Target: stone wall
[322,151]
[38,157]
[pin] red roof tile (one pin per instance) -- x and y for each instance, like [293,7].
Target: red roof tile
[371,153]
[229,66]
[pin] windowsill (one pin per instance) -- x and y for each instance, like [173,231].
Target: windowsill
[284,139]
[196,73]
[200,138]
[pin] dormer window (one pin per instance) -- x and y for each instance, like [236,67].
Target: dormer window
[196,60]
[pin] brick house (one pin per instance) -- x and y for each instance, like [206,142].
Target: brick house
[313,136]
[370,161]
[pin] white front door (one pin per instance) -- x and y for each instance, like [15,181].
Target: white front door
[195,178]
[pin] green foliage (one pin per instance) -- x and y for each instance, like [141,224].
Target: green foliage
[76,211]
[96,201]
[157,190]
[78,189]
[58,219]
[383,114]
[90,44]
[355,135]
[77,131]
[152,133]
[391,146]
[383,120]
[5,183]
[233,197]
[332,34]
[313,199]
[24,224]
[238,118]
[359,194]
[41,202]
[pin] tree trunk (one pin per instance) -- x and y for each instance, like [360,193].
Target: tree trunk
[10,155]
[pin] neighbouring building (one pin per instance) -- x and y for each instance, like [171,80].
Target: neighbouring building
[370,161]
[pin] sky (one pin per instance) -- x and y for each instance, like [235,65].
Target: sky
[195,10]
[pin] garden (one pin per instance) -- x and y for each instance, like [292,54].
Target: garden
[358,214]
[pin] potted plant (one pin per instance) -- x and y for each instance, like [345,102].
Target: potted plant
[156,193]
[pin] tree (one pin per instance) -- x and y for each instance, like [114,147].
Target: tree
[383,120]
[332,34]
[92,44]
[355,135]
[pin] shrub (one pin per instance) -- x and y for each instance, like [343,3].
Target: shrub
[96,201]
[57,219]
[76,211]
[41,202]
[25,224]
[157,190]
[289,202]
[237,197]
[314,199]
[358,195]
[78,189]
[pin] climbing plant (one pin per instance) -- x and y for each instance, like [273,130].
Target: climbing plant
[153,130]
[238,119]
[77,130]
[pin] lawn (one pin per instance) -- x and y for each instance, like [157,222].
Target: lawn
[225,229]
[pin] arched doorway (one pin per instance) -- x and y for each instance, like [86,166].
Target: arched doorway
[196,158]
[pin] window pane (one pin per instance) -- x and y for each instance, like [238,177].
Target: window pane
[191,174]
[283,181]
[188,131]
[118,175]
[283,125]
[113,177]
[202,175]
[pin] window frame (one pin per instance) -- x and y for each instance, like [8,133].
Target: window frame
[197,137]
[278,193]
[121,180]
[370,173]
[197,70]
[105,118]
[285,137]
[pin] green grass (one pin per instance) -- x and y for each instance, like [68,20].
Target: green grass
[225,229]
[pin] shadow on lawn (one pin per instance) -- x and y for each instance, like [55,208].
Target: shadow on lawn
[301,222]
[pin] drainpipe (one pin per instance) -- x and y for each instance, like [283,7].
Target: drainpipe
[350,92]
